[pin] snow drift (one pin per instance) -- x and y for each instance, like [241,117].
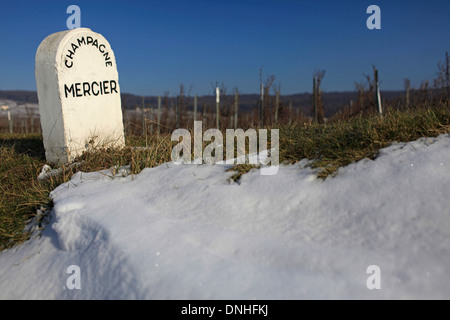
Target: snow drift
[187,232]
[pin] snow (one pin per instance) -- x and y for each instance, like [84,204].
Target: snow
[188,232]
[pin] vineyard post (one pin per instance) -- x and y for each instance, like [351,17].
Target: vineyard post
[261,110]
[204,119]
[447,77]
[236,108]
[377,93]
[11,122]
[407,89]
[217,107]
[151,117]
[290,111]
[195,108]
[178,112]
[277,103]
[32,122]
[314,98]
[143,117]
[159,116]
[26,119]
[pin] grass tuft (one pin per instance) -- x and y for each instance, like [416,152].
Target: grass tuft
[337,144]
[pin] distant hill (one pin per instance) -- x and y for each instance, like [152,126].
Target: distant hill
[19,96]
[333,101]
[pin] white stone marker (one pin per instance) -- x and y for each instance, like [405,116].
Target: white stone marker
[79,95]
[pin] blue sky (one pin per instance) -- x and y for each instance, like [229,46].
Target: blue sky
[162,44]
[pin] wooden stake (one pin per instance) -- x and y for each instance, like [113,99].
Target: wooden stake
[277,103]
[315,99]
[407,88]
[236,109]
[447,77]
[195,108]
[178,112]
[377,93]
[290,111]
[204,119]
[144,131]
[217,107]
[11,122]
[261,110]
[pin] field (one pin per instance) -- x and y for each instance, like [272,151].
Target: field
[329,146]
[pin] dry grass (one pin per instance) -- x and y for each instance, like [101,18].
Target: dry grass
[21,194]
[340,143]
